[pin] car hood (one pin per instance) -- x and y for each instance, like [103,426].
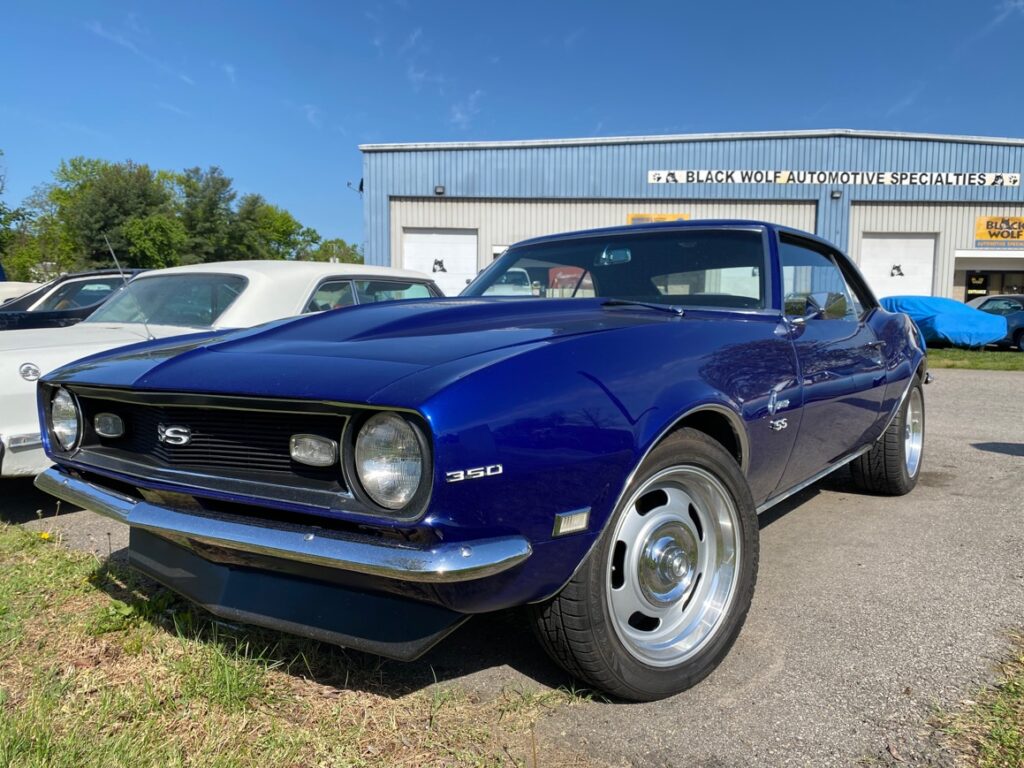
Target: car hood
[85,336]
[353,353]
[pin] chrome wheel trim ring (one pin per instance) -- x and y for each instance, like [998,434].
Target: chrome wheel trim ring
[673,565]
[913,432]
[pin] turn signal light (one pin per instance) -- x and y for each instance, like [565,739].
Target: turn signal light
[108,425]
[313,450]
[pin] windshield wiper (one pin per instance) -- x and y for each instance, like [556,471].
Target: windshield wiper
[670,308]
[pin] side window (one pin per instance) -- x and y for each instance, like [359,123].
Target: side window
[370,291]
[813,284]
[1001,306]
[331,294]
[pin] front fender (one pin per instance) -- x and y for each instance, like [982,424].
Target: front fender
[569,424]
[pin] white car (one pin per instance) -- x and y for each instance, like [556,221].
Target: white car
[12,289]
[171,302]
[514,282]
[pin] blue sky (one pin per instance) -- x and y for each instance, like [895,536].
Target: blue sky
[280,94]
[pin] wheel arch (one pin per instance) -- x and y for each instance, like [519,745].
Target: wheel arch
[720,423]
[710,419]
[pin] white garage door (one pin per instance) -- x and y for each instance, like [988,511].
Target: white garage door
[898,265]
[448,255]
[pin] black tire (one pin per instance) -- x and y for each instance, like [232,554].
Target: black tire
[577,628]
[883,470]
[1019,340]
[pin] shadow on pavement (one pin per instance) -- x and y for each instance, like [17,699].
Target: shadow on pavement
[1010,449]
[484,643]
[21,501]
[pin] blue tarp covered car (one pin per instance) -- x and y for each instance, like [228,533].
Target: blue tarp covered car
[948,321]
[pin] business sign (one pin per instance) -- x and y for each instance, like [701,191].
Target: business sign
[999,232]
[866,178]
[977,284]
[647,218]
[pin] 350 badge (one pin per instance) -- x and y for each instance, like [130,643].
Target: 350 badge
[473,474]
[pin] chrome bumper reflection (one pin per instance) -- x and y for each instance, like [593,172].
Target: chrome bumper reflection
[447,562]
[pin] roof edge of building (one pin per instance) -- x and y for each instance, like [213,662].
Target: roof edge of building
[688,137]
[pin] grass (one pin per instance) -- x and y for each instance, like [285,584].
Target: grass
[989,733]
[99,669]
[987,360]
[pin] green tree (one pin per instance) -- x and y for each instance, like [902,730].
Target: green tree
[156,240]
[98,209]
[206,214]
[337,251]
[264,231]
[11,219]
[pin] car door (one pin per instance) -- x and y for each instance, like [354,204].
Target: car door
[841,360]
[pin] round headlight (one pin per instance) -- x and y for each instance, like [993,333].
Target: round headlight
[65,419]
[389,460]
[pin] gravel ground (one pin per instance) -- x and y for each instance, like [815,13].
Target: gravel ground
[869,612]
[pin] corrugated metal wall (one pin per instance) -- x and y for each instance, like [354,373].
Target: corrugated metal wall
[503,222]
[953,225]
[618,171]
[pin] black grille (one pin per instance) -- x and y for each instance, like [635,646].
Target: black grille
[238,442]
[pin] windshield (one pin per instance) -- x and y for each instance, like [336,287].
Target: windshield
[191,301]
[692,267]
[80,293]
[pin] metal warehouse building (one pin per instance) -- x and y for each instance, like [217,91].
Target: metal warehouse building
[920,213]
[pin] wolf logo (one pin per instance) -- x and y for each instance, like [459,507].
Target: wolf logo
[439,266]
[896,271]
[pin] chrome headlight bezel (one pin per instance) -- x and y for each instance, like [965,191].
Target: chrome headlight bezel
[67,397]
[405,508]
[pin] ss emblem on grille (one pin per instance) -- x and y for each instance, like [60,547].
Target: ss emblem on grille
[173,435]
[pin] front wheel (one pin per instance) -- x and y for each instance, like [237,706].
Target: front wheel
[662,597]
[893,465]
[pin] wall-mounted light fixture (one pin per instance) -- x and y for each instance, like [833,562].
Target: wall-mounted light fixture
[439,189]
[837,194]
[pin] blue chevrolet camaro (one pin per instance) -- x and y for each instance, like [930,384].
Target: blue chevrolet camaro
[595,445]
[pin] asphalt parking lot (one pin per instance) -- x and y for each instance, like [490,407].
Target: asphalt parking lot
[869,614]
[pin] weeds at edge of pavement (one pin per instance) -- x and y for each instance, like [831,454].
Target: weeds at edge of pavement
[989,731]
[99,669]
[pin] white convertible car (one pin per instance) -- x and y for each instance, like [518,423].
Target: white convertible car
[171,302]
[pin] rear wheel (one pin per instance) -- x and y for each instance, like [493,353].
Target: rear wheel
[1019,340]
[893,465]
[664,594]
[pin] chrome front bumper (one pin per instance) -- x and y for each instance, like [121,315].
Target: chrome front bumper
[442,563]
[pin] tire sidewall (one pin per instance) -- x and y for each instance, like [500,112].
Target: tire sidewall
[635,679]
[909,481]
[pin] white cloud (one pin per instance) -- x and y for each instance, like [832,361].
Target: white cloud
[465,111]
[229,72]
[1003,11]
[172,108]
[411,41]
[313,115]
[420,77]
[905,103]
[120,40]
